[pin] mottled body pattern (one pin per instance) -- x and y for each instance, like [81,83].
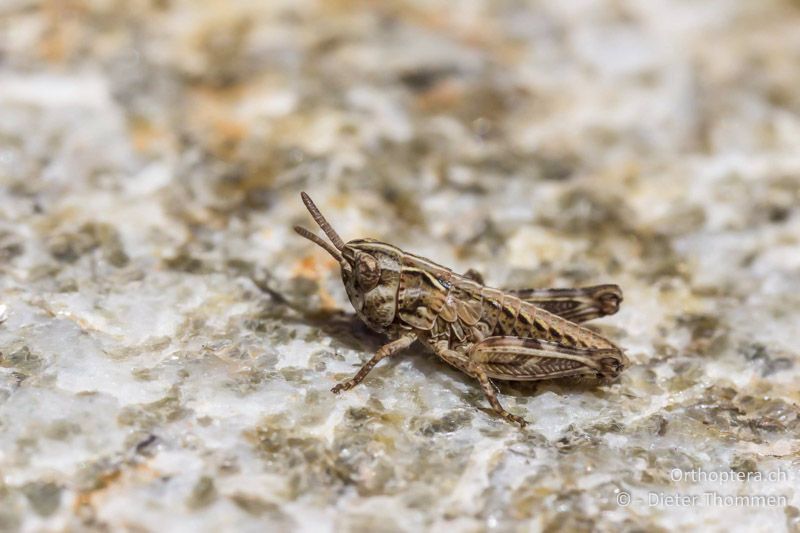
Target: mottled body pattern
[519,335]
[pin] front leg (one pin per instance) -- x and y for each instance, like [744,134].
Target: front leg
[384,351]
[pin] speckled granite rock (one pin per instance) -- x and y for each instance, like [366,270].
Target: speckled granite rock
[167,345]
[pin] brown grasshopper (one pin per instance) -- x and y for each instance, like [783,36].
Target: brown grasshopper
[518,335]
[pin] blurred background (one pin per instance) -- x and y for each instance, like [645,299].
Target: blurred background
[167,343]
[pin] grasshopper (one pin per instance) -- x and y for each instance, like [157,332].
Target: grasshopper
[516,335]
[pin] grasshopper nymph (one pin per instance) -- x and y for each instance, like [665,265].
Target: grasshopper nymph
[518,335]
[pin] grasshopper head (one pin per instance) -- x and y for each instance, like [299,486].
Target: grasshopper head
[370,270]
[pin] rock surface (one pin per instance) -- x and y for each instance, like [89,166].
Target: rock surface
[167,344]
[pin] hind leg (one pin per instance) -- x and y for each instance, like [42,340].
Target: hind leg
[463,363]
[491,395]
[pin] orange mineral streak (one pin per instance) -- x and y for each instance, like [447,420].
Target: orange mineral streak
[84,497]
[311,267]
[139,473]
[61,35]
[215,119]
[146,135]
[446,94]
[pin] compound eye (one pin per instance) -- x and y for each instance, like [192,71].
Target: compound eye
[367,271]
